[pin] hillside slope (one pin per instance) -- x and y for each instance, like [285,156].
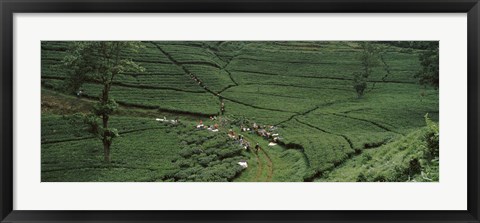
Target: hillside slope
[304,89]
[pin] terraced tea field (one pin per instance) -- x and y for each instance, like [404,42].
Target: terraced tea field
[301,91]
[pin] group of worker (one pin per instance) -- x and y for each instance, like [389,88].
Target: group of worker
[263,131]
[213,128]
[242,141]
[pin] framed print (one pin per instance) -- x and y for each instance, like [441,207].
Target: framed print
[196,111]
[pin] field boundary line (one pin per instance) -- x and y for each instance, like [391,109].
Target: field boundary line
[299,114]
[324,77]
[328,132]
[366,120]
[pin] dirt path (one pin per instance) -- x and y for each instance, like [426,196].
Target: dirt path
[269,165]
[259,168]
[265,169]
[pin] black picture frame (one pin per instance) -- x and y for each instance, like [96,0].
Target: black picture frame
[9,7]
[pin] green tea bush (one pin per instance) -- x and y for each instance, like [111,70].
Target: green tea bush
[189,151]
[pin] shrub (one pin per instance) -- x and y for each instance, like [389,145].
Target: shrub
[189,151]
[205,160]
[432,137]
[361,178]
[414,167]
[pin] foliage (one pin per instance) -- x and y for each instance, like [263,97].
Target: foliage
[409,158]
[100,61]
[369,59]
[429,59]
[106,108]
[432,137]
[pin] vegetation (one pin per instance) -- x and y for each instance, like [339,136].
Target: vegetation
[412,158]
[99,62]
[369,58]
[327,131]
[429,59]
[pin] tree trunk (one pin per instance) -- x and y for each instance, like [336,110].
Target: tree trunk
[106,133]
[106,151]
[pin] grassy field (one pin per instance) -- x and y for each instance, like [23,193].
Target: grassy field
[304,89]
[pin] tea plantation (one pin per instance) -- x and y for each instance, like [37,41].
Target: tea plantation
[302,91]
